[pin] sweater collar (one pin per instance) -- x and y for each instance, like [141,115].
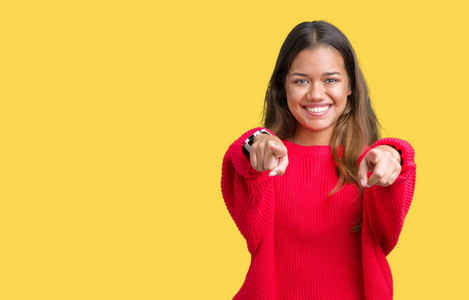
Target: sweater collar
[307,150]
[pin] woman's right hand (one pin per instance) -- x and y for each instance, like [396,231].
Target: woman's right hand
[268,153]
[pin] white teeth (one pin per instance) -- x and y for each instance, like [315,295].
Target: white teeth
[317,109]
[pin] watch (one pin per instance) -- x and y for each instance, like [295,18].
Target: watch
[248,142]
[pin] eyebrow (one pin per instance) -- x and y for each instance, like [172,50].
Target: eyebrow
[299,74]
[332,73]
[306,75]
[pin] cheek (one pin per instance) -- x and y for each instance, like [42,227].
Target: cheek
[340,95]
[293,107]
[294,95]
[290,104]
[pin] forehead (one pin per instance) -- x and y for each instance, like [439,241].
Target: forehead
[322,59]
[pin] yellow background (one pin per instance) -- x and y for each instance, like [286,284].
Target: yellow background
[115,116]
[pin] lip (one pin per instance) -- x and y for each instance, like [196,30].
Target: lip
[320,113]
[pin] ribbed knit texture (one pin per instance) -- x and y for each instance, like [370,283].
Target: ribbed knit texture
[301,242]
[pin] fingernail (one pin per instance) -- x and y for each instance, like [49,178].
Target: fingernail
[362,182]
[272,173]
[368,185]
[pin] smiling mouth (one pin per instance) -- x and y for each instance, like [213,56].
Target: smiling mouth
[318,109]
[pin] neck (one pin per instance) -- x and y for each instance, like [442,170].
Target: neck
[305,137]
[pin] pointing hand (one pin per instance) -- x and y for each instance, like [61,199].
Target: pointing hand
[268,153]
[385,163]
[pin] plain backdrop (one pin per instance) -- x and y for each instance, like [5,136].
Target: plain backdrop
[115,116]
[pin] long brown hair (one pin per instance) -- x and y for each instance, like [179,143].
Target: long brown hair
[356,128]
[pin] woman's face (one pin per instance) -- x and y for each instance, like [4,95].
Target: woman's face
[317,87]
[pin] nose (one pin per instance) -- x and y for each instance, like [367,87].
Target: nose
[316,92]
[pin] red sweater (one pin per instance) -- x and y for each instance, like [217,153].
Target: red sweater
[302,244]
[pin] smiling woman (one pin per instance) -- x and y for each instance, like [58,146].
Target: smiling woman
[317,88]
[319,198]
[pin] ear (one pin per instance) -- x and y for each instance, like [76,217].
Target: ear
[349,90]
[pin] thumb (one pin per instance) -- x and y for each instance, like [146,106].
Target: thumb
[362,173]
[281,167]
[278,149]
[280,152]
[366,166]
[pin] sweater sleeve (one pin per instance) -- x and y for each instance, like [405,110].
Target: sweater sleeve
[386,207]
[248,194]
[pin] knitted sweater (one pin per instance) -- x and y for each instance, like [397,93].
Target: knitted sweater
[302,243]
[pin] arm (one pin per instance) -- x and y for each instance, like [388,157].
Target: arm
[387,201]
[248,193]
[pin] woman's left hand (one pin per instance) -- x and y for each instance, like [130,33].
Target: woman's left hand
[385,163]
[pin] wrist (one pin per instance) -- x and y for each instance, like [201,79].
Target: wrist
[250,140]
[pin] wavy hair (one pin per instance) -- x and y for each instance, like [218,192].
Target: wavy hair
[356,128]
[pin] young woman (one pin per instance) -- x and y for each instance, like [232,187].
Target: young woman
[319,198]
